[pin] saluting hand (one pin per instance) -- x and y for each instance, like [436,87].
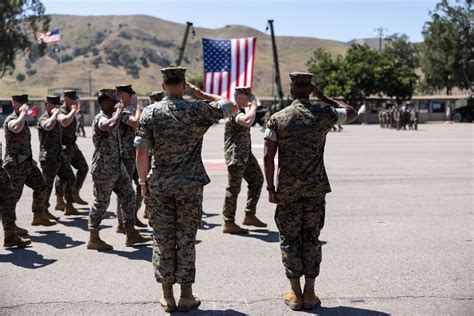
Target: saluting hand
[196,91]
[317,92]
[24,108]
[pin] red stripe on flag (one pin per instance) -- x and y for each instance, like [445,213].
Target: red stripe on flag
[237,50]
[228,85]
[219,91]
[212,83]
[246,49]
[253,58]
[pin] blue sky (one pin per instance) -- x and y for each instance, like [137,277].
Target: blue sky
[340,20]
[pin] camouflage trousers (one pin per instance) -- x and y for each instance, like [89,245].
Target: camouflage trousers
[175,218]
[76,159]
[63,170]
[107,181]
[28,173]
[132,173]
[299,223]
[7,203]
[253,175]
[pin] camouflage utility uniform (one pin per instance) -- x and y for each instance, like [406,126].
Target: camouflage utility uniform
[241,164]
[21,167]
[109,175]
[173,130]
[300,131]
[52,159]
[73,153]
[7,202]
[127,136]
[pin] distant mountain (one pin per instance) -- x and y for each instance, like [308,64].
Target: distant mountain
[371,42]
[119,49]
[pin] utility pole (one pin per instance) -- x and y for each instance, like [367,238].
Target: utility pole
[380,30]
[277,83]
[189,26]
[90,83]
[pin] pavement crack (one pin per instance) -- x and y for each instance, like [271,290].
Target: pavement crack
[246,302]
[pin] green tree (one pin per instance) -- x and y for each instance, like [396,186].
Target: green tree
[398,76]
[448,48]
[363,72]
[19,22]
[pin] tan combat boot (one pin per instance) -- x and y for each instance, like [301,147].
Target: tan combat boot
[71,210]
[188,300]
[11,240]
[230,227]
[96,243]
[120,227]
[310,299]
[20,231]
[77,199]
[167,300]
[133,237]
[41,219]
[295,302]
[294,297]
[251,220]
[60,204]
[50,216]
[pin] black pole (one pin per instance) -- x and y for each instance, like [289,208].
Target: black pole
[183,45]
[277,68]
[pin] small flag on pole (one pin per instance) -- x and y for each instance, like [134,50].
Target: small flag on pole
[228,63]
[50,37]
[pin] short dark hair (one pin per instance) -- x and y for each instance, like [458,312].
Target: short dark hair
[173,81]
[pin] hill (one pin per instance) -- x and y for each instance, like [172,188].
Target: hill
[119,49]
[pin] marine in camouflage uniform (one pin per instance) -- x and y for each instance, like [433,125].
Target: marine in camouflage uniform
[19,163]
[128,123]
[109,173]
[173,130]
[298,133]
[52,159]
[241,164]
[7,212]
[67,119]
[155,96]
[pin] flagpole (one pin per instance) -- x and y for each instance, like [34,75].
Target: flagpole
[61,69]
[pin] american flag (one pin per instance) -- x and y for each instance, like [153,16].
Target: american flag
[228,63]
[50,37]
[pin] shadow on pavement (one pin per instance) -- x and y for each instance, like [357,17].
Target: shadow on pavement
[206,226]
[78,222]
[262,234]
[229,312]
[207,215]
[142,252]
[344,311]
[26,258]
[56,239]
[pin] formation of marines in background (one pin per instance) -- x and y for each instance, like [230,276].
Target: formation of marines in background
[403,118]
[158,149]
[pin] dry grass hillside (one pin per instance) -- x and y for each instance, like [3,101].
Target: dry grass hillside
[120,49]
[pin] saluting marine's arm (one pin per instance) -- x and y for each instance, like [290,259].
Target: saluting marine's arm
[16,126]
[248,118]
[114,122]
[49,123]
[66,120]
[350,111]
